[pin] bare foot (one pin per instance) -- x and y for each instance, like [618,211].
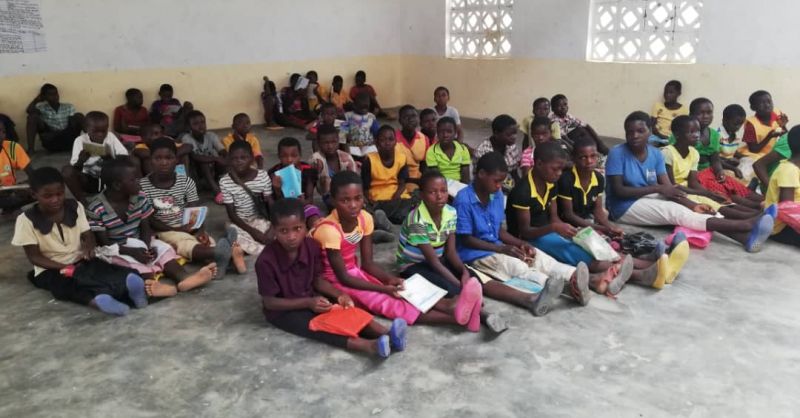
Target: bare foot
[237,254]
[199,278]
[156,289]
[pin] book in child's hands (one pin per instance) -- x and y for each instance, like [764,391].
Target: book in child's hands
[96,150]
[301,83]
[341,321]
[195,216]
[421,293]
[453,187]
[291,181]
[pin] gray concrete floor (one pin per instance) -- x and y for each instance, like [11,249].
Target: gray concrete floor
[721,341]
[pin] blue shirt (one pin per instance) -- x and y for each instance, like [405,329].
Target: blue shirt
[635,173]
[479,220]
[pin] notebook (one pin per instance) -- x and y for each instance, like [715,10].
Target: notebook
[453,187]
[340,321]
[195,216]
[291,181]
[421,293]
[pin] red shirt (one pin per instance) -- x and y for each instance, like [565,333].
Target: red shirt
[132,118]
[356,90]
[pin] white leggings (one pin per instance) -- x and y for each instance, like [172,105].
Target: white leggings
[653,210]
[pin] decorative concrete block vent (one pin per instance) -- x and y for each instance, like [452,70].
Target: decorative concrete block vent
[479,28]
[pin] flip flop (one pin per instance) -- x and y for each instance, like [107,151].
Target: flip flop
[398,334]
[222,256]
[677,239]
[677,259]
[136,290]
[496,323]
[550,292]
[474,324]
[772,210]
[579,284]
[384,349]
[471,295]
[759,234]
[663,272]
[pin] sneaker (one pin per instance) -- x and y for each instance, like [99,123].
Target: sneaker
[550,292]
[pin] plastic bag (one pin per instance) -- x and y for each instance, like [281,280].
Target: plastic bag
[340,321]
[588,239]
[638,244]
[789,213]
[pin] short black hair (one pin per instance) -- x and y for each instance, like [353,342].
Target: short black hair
[794,141]
[242,145]
[46,87]
[637,116]
[326,105]
[113,169]
[293,79]
[95,116]
[147,127]
[557,98]
[44,176]
[326,129]
[540,121]
[361,73]
[493,162]
[284,208]
[384,128]
[445,120]
[425,112]
[549,151]
[733,111]
[756,94]
[289,142]
[674,84]
[338,78]
[309,73]
[163,142]
[344,178]
[195,114]
[440,88]
[680,124]
[694,106]
[430,175]
[583,143]
[131,91]
[239,116]
[406,108]
[165,87]
[540,100]
[502,122]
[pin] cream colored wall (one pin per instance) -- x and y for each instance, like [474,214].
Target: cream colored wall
[220,91]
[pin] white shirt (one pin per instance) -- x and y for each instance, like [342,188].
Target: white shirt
[451,112]
[92,165]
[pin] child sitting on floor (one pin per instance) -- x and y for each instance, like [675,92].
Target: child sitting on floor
[682,160]
[293,290]
[293,108]
[541,109]
[170,193]
[427,124]
[338,97]
[385,174]
[13,157]
[641,193]
[413,143]
[450,157]
[327,116]
[56,123]
[82,175]
[580,203]
[568,123]
[710,168]
[532,214]
[730,138]
[140,155]
[362,87]
[484,245]
[272,106]
[241,132]
[540,133]
[362,127]
[247,195]
[329,160]
[120,220]
[59,243]
[784,186]
[663,114]
[349,229]
[762,129]
[169,112]
[208,153]
[504,142]
[427,245]
[289,153]
[441,96]
[131,117]
[316,92]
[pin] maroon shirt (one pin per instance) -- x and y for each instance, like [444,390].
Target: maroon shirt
[289,280]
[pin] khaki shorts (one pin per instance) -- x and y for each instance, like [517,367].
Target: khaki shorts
[182,242]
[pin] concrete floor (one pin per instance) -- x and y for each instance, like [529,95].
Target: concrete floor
[722,341]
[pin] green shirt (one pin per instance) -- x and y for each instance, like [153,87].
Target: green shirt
[782,148]
[419,229]
[449,167]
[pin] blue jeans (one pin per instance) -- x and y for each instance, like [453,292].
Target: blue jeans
[562,249]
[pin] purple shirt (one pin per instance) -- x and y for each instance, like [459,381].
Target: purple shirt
[288,280]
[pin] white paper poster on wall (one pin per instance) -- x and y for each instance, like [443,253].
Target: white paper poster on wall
[21,29]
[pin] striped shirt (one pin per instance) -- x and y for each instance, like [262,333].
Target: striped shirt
[234,194]
[102,217]
[170,203]
[419,229]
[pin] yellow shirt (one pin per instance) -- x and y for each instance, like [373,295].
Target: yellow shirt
[339,99]
[383,182]
[12,157]
[64,249]
[665,116]
[250,138]
[787,175]
[681,167]
[555,128]
[415,153]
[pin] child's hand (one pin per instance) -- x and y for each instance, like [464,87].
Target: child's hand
[317,165]
[203,238]
[738,173]
[704,209]
[141,255]
[512,251]
[564,229]
[345,301]
[276,182]
[783,120]
[721,177]
[671,192]
[87,253]
[83,156]
[261,237]
[319,304]
[528,250]
[615,231]
[391,291]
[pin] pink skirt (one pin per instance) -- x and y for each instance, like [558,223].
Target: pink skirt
[376,302]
